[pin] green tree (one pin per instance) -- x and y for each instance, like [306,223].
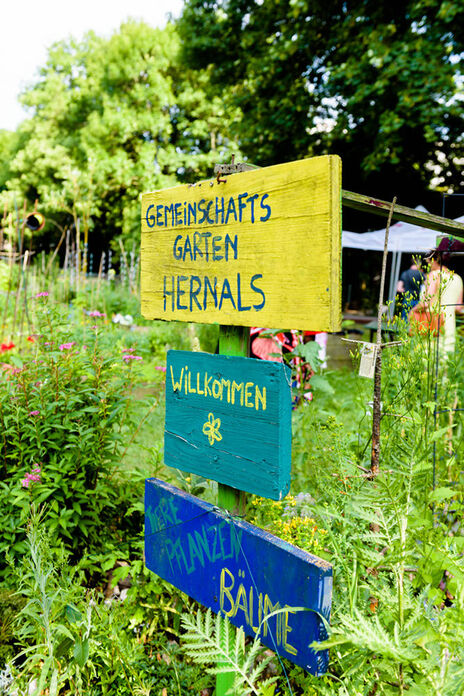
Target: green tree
[9,145]
[378,83]
[111,118]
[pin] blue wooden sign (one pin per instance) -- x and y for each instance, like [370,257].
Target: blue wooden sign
[264,584]
[229,419]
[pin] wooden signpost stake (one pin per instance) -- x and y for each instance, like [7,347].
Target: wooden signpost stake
[375,206]
[233,340]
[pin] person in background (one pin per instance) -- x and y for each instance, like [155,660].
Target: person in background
[409,288]
[274,346]
[443,291]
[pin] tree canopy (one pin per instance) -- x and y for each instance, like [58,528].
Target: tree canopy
[378,83]
[111,118]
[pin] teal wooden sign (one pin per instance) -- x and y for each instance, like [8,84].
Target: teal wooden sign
[229,419]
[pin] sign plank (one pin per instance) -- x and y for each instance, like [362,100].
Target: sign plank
[261,248]
[236,568]
[230,419]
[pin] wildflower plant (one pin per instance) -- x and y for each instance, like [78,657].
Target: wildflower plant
[64,412]
[31,477]
[72,641]
[289,519]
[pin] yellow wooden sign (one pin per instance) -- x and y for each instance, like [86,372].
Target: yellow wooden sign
[261,248]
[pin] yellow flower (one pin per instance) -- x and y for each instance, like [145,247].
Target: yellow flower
[211,429]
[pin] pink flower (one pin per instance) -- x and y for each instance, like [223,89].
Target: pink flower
[160,367]
[41,294]
[96,313]
[67,346]
[128,350]
[31,477]
[34,413]
[128,357]
[10,369]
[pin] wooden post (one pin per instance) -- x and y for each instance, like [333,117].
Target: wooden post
[233,340]
[8,292]
[20,256]
[376,406]
[78,256]
[24,308]
[368,204]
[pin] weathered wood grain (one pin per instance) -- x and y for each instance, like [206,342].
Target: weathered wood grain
[368,204]
[261,248]
[238,569]
[229,419]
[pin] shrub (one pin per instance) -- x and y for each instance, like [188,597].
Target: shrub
[64,410]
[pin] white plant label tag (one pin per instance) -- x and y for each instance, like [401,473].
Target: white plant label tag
[368,358]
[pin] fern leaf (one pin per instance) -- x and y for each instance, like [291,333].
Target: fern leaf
[223,647]
[267,687]
[254,668]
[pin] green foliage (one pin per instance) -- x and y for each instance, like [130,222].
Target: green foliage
[214,643]
[395,545]
[208,337]
[396,542]
[8,277]
[314,77]
[74,643]
[112,298]
[110,118]
[64,411]
[391,621]
[10,606]
[9,143]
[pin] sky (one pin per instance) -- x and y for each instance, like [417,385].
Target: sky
[30,27]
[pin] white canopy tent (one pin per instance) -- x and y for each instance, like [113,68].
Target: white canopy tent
[403,238]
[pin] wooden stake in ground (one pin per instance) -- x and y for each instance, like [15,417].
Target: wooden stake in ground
[20,250]
[64,233]
[376,407]
[233,340]
[100,273]
[78,256]
[24,308]
[8,292]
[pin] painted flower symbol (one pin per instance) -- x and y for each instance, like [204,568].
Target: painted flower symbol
[211,429]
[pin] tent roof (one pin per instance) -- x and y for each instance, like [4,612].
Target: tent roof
[403,236]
